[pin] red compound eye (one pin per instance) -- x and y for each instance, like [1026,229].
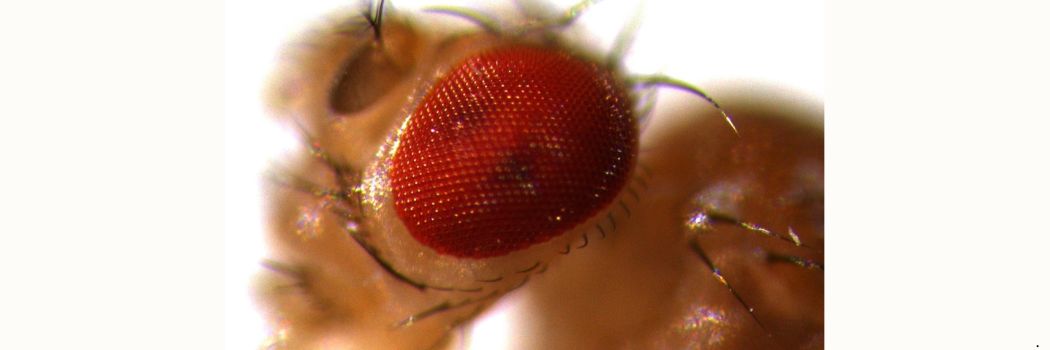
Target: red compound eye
[511,148]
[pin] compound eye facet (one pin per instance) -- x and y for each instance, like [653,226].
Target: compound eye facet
[511,148]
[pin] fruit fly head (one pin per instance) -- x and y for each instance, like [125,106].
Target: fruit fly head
[465,146]
[447,165]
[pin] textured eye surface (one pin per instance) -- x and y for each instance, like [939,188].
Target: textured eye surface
[513,147]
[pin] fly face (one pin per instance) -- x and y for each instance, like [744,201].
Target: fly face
[449,164]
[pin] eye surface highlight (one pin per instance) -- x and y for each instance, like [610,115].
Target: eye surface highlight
[512,147]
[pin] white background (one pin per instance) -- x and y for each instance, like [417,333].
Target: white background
[126,135]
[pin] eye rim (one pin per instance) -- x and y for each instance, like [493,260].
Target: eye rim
[525,57]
